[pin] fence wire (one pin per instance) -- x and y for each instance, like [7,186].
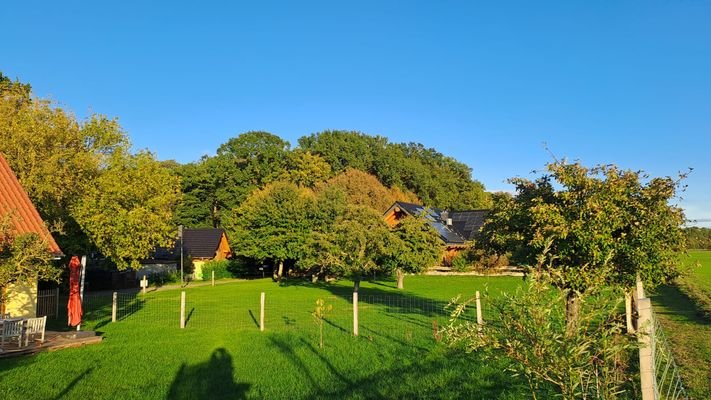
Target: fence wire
[668,380]
[401,318]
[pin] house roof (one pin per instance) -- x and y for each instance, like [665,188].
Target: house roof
[14,201]
[465,224]
[201,242]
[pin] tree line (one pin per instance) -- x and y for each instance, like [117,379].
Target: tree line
[698,238]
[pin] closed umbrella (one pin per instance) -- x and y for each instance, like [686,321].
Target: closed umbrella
[74,305]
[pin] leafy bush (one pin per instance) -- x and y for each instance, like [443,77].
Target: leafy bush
[235,268]
[460,262]
[529,330]
[221,269]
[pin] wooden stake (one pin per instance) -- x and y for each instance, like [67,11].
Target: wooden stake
[640,289]
[182,310]
[646,354]
[479,319]
[628,312]
[261,312]
[213,278]
[113,307]
[355,313]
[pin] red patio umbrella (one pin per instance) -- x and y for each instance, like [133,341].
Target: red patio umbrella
[74,305]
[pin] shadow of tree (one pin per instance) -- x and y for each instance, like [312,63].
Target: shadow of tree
[212,379]
[73,383]
[449,375]
[678,305]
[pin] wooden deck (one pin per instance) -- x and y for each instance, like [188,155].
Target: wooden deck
[53,341]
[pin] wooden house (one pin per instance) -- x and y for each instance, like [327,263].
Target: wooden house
[21,297]
[203,245]
[456,228]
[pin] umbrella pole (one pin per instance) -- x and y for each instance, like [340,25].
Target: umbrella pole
[81,286]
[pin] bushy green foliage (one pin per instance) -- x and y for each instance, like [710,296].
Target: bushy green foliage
[596,226]
[438,180]
[223,269]
[529,329]
[23,258]
[461,263]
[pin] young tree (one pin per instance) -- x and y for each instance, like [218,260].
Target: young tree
[274,223]
[360,240]
[416,247]
[591,227]
[127,211]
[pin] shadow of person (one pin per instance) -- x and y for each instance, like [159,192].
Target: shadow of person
[212,379]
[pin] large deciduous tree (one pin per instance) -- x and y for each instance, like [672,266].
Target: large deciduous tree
[273,224]
[364,189]
[587,228]
[127,210]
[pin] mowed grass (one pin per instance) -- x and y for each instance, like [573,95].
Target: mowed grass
[681,312]
[222,354]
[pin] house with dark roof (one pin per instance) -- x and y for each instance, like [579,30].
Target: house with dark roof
[21,297]
[456,228]
[199,245]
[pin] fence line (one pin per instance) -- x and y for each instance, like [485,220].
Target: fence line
[659,373]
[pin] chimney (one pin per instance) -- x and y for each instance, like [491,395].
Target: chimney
[445,217]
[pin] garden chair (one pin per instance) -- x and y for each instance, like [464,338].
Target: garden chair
[35,327]
[5,316]
[12,329]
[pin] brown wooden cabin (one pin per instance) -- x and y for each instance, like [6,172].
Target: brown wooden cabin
[456,228]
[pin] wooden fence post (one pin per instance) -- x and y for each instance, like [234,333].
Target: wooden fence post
[113,307]
[640,289]
[261,312]
[56,303]
[355,313]
[479,319]
[213,278]
[645,325]
[182,309]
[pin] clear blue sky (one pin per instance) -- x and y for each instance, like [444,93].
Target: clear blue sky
[487,83]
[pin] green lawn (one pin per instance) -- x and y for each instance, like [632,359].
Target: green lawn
[681,310]
[222,354]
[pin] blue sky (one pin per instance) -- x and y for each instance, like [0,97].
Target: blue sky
[624,82]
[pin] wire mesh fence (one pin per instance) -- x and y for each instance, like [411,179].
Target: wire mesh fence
[668,379]
[403,318]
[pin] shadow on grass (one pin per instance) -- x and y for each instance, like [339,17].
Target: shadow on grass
[394,301]
[73,383]
[212,379]
[431,375]
[678,306]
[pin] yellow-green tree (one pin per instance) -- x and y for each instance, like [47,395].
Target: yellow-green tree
[127,211]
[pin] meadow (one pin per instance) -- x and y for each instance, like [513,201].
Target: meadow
[221,354]
[683,312]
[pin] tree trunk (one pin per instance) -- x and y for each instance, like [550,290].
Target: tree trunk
[400,278]
[281,270]
[356,283]
[572,311]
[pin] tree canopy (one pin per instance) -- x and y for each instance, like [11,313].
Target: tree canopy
[588,228]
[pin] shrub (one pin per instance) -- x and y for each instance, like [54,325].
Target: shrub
[460,262]
[221,269]
[529,331]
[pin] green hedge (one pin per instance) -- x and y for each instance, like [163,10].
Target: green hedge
[223,269]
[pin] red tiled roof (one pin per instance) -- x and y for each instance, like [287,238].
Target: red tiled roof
[14,200]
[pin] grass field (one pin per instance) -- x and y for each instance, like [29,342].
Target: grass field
[683,316]
[222,355]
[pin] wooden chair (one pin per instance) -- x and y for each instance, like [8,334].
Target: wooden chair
[12,329]
[35,327]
